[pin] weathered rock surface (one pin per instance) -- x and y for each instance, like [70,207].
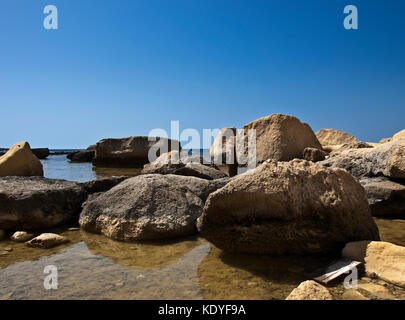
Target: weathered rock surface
[103,184]
[81,155]
[131,152]
[387,159]
[352,294]
[41,153]
[310,290]
[20,161]
[47,240]
[223,150]
[278,137]
[34,202]
[385,197]
[398,135]
[288,207]
[148,207]
[21,236]
[383,260]
[356,145]
[314,154]
[331,139]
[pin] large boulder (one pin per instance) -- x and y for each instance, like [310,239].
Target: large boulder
[131,152]
[310,290]
[387,159]
[20,161]
[34,203]
[81,155]
[148,207]
[332,139]
[278,137]
[383,260]
[41,153]
[102,184]
[288,207]
[386,197]
[223,150]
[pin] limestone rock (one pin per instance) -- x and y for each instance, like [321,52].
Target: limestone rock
[47,240]
[21,236]
[148,207]
[352,294]
[223,150]
[314,154]
[20,161]
[310,290]
[331,139]
[288,207]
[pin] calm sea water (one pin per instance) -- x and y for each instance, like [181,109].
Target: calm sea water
[94,267]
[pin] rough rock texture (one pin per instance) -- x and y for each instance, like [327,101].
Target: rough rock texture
[310,290]
[387,159]
[385,197]
[20,161]
[357,145]
[148,207]
[81,155]
[223,150]
[47,240]
[288,207]
[103,184]
[34,202]
[41,153]
[278,137]
[181,164]
[314,154]
[131,152]
[21,236]
[331,139]
[352,294]
[383,260]
[399,135]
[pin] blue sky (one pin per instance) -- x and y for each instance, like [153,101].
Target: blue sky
[118,68]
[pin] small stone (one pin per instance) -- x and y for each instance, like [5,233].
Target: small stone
[310,290]
[21,236]
[73,229]
[8,249]
[141,276]
[353,295]
[47,240]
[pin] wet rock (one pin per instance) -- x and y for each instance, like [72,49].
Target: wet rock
[41,153]
[352,294]
[130,152]
[288,207]
[148,207]
[387,159]
[376,291]
[383,260]
[385,197]
[310,290]
[47,240]
[331,139]
[34,202]
[21,236]
[102,185]
[314,154]
[81,155]
[20,161]
[278,137]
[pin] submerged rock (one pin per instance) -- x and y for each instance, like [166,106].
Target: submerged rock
[310,290]
[35,202]
[21,236]
[383,260]
[288,207]
[278,137]
[47,240]
[387,159]
[130,152]
[148,207]
[385,197]
[20,161]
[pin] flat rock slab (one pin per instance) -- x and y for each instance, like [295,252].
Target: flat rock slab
[34,202]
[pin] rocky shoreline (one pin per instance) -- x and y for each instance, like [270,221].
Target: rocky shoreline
[309,194]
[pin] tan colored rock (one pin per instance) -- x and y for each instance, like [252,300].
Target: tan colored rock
[387,159]
[314,154]
[332,139]
[383,260]
[310,290]
[352,294]
[385,140]
[288,207]
[376,291]
[20,161]
[357,145]
[278,137]
[399,135]
[223,150]
[21,236]
[47,240]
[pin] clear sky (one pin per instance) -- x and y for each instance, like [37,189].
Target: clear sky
[118,68]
